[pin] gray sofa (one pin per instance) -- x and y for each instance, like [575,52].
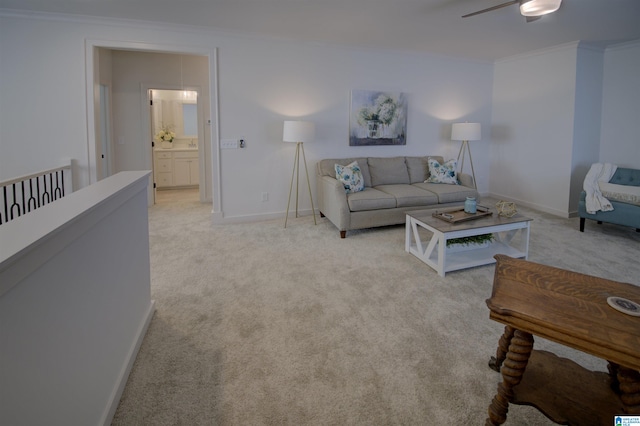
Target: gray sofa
[393,186]
[626,210]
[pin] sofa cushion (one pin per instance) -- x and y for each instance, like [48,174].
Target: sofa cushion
[350,176]
[418,167]
[327,167]
[622,193]
[409,195]
[442,172]
[388,171]
[448,193]
[370,199]
[625,176]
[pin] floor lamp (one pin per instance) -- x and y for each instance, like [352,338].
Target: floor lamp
[298,132]
[466,132]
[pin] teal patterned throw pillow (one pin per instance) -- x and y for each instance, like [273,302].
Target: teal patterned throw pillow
[350,176]
[442,173]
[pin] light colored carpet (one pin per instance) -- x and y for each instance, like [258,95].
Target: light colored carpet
[260,325]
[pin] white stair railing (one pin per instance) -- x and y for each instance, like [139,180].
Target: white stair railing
[24,194]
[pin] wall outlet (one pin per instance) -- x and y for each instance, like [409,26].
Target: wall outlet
[228,144]
[265,196]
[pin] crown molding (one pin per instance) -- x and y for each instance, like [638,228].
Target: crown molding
[632,44]
[573,45]
[212,31]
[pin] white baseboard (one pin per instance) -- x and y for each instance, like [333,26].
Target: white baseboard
[534,206]
[221,219]
[116,394]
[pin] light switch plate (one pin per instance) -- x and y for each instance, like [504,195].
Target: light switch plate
[228,144]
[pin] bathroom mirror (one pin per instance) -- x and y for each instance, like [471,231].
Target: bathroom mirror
[190,120]
[176,110]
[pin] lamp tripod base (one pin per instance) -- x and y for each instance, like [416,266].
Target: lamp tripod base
[465,144]
[296,174]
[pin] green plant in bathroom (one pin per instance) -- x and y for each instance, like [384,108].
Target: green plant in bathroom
[474,239]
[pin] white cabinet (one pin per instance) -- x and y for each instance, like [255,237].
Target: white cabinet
[185,168]
[163,171]
[176,168]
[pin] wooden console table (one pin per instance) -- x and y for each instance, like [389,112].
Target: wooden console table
[571,309]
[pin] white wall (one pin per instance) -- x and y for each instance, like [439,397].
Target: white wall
[533,123]
[43,113]
[621,106]
[541,104]
[261,83]
[587,118]
[257,93]
[557,111]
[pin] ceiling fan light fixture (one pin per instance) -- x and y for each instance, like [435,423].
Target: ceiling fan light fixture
[538,7]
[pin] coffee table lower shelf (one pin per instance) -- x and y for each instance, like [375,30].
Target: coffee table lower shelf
[468,259]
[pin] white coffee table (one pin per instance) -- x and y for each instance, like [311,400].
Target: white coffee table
[511,238]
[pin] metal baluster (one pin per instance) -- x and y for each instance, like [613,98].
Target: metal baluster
[44,190]
[24,200]
[57,192]
[14,203]
[38,191]
[6,204]
[31,197]
[62,179]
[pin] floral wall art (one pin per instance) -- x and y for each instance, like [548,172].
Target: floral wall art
[377,118]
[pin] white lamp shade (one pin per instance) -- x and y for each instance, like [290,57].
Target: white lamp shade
[538,7]
[298,131]
[465,132]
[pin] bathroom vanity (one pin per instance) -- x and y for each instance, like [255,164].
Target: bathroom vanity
[176,167]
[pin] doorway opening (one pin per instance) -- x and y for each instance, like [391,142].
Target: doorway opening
[174,122]
[125,70]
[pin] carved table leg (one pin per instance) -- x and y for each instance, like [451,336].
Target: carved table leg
[613,375]
[512,371]
[503,347]
[629,382]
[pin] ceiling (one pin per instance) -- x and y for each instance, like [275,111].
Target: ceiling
[432,26]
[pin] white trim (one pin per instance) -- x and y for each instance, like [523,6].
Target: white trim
[573,45]
[219,32]
[216,172]
[535,206]
[220,219]
[37,174]
[147,136]
[123,376]
[633,44]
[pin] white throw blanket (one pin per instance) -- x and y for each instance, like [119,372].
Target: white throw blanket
[595,201]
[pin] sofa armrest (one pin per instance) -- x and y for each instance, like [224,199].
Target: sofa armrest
[332,202]
[466,180]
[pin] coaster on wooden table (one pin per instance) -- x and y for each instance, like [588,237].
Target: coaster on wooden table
[624,305]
